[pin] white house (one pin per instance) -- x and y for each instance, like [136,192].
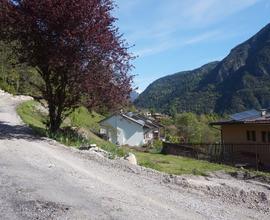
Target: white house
[129,129]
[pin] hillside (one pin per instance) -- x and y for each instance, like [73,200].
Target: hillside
[240,81]
[16,77]
[134,95]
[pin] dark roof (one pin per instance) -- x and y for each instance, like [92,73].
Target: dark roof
[146,120]
[138,119]
[255,117]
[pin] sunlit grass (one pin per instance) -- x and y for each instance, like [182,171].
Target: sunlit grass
[81,118]
[178,165]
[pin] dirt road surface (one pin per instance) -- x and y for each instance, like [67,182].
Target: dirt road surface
[41,179]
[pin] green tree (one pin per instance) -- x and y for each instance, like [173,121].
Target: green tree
[75,47]
[15,77]
[188,127]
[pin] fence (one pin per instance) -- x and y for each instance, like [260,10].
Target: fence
[246,155]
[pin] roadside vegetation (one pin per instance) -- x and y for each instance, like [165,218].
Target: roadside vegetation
[77,130]
[178,165]
[189,127]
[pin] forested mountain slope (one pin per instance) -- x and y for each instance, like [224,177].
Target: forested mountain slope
[238,82]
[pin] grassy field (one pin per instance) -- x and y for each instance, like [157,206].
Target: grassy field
[178,165]
[80,118]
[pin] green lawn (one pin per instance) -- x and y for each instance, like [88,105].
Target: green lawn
[178,165]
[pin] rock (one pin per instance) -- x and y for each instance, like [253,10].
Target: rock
[14,97]
[131,158]
[24,98]
[42,108]
[263,196]
[100,152]
[51,165]
[84,147]
[87,147]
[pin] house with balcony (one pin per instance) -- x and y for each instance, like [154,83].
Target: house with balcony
[246,136]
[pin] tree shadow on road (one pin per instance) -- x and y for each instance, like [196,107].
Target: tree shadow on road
[9,132]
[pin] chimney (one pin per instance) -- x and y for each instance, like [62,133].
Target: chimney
[263,112]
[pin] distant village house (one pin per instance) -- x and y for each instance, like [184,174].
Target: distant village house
[130,129]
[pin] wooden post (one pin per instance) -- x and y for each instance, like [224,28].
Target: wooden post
[232,154]
[257,165]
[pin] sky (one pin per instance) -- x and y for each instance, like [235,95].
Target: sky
[170,36]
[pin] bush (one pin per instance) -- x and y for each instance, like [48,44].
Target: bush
[157,146]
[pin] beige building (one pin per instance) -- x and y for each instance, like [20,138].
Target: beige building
[246,136]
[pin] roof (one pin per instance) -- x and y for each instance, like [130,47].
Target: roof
[135,118]
[246,117]
[147,121]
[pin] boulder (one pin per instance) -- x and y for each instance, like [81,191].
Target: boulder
[131,158]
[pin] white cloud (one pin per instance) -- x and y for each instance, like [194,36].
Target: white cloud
[170,43]
[202,37]
[154,49]
[168,16]
[153,30]
[206,12]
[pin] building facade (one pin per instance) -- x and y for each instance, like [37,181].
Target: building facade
[129,129]
[247,136]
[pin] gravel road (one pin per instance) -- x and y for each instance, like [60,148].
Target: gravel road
[41,179]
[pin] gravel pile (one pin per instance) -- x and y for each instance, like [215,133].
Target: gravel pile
[224,187]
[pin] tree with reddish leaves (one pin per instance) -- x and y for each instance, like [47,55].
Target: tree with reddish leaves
[75,47]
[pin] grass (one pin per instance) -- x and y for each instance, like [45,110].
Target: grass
[81,118]
[33,118]
[178,165]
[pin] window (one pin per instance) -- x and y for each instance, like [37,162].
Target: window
[251,135]
[248,136]
[264,136]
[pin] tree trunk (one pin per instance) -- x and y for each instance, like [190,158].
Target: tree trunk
[55,118]
[55,98]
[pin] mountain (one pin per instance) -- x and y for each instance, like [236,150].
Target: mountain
[134,95]
[240,81]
